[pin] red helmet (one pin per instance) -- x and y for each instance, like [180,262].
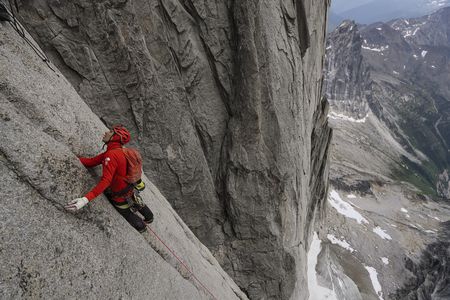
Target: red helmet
[123,134]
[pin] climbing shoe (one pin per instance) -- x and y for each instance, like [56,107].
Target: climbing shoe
[148,221]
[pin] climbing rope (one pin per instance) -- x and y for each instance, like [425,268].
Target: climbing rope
[22,33]
[181,262]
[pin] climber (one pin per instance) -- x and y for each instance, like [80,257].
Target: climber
[120,193]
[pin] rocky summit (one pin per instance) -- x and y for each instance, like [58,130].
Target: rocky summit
[224,100]
[386,234]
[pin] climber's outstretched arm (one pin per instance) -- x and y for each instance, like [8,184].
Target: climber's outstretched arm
[109,168]
[90,162]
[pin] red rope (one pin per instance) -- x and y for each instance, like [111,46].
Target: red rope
[181,262]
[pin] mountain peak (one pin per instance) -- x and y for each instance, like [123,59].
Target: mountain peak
[347,26]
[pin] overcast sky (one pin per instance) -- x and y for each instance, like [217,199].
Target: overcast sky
[342,5]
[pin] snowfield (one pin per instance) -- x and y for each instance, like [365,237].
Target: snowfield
[345,208]
[382,233]
[375,283]
[336,116]
[343,244]
[316,291]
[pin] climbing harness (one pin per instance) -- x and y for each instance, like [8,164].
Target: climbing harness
[181,262]
[135,201]
[132,195]
[6,15]
[124,205]
[138,187]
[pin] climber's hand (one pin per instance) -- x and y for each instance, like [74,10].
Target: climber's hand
[76,204]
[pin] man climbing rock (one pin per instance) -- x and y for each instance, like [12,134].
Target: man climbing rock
[119,192]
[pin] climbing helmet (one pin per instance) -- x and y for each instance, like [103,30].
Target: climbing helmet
[123,133]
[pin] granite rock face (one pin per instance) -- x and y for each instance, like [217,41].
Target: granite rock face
[432,274]
[224,98]
[48,253]
[347,76]
[443,184]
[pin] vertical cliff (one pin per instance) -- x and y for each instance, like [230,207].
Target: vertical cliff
[48,253]
[225,99]
[347,76]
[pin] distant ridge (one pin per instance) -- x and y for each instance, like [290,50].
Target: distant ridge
[385,10]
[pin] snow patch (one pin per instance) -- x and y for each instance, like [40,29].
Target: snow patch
[341,283]
[343,24]
[334,240]
[375,283]
[424,53]
[412,30]
[317,292]
[382,233]
[404,210]
[436,218]
[344,208]
[351,196]
[437,3]
[379,28]
[336,116]
[381,49]
[413,226]
[385,260]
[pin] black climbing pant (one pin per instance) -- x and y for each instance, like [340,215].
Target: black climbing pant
[137,222]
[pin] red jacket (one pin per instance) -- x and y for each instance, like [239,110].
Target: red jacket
[114,166]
